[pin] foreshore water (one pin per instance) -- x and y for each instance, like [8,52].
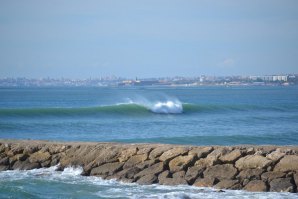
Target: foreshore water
[201,116]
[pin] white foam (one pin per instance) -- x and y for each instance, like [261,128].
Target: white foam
[167,106]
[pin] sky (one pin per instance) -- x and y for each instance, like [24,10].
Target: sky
[147,38]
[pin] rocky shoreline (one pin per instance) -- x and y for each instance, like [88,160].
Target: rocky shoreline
[251,168]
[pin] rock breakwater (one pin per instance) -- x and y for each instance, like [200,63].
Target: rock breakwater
[251,168]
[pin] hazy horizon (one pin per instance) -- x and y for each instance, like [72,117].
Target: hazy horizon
[76,39]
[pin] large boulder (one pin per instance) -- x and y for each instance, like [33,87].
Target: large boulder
[250,174]
[39,157]
[147,179]
[271,175]
[25,165]
[172,153]
[193,173]
[127,153]
[200,152]
[256,186]
[205,182]
[253,162]
[226,184]
[134,160]
[154,169]
[107,169]
[225,171]
[181,162]
[155,153]
[282,185]
[287,163]
[275,155]
[231,157]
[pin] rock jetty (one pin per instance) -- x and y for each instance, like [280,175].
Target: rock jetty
[251,168]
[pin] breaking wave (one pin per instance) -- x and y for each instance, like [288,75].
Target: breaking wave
[138,108]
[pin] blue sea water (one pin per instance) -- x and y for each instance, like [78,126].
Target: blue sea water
[197,116]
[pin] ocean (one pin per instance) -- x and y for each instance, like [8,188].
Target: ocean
[176,115]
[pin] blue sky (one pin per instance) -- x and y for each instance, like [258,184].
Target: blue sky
[81,39]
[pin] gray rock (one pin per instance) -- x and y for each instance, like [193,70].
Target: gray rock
[147,179]
[4,161]
[226,184]
[282,185]
[4,167]
[250,174]
[107,169]
[271,175]
[25,165]
[193,173]
[154,169]
[256,186]
[134,160]
[205,182]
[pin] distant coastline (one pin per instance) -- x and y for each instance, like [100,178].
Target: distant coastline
[178,81]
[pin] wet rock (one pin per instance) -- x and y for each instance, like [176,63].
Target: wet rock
[147,179]
[181,162]
[163,176]
[271,175]
[4,161]
[25,165]
[250,174]
[296,179]
[134,160]
[253,162]
[256,186]
[172,153]
[4,167]
[225,171]
[129,173]
[193,173]
[205,182]
[154,169]
[231,157]
[282,185]
[200,152]
[107,169]
[174,181]
[39,157]
[226,184]
[287,163]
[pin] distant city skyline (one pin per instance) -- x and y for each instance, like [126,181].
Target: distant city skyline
[82,39]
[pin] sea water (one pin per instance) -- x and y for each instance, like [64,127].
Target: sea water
[196,116]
